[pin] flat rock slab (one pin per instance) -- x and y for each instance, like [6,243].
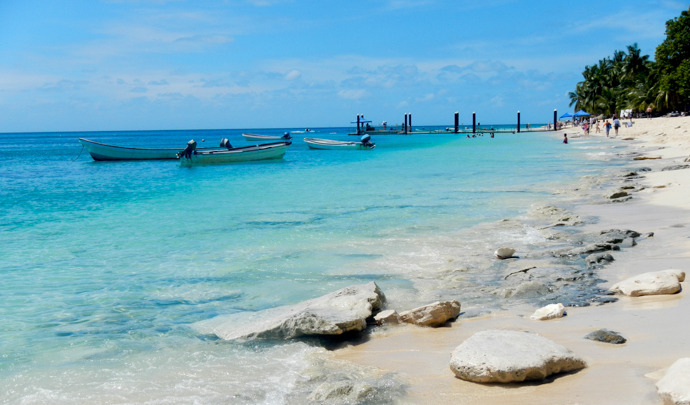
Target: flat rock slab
[674,387]
[505,356]
[653,283]
[339,312]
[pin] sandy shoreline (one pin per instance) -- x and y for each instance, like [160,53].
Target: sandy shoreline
[655,326]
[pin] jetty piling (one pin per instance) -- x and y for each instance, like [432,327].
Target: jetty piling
[406,127]
[361,124]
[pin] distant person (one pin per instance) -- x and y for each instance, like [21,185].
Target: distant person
[616,124]
[649,112]
[598,131]
[565,138]
[607,125]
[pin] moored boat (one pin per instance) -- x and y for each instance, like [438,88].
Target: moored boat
[103,152]
[266,151]
[257,137]
[318,143]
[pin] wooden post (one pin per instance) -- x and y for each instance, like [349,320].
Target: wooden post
[518,125]
[457,121]
[404,128]
[358,132]
[555,119]
[409,127]
[474,122]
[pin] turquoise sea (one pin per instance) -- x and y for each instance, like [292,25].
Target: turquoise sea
[106,266]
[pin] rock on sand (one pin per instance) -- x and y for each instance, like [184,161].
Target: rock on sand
[435,314]
[551,311]
[674,387]
[504,356]
[654,283]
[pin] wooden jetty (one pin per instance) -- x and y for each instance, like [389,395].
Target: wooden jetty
[364,127]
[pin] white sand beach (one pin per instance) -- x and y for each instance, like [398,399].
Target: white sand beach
[656,327]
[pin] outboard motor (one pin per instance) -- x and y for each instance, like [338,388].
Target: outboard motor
[366,141]
[188,151]
[287,136]
[224,143]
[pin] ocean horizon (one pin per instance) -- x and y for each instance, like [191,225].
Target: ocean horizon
[107,266]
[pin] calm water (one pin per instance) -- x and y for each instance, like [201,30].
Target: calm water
[106,265]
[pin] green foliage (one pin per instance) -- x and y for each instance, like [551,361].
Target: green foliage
[673,62]
[629,80]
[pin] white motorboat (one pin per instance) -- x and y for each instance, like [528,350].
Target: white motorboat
[267,151]
[318,143]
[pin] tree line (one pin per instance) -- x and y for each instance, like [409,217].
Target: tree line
[629,80]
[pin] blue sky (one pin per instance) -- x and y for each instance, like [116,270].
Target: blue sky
[86,65]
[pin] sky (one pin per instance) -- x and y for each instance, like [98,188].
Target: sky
[92,65]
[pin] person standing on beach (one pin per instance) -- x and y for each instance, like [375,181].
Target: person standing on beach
[649,112]
[607,125]
[565,138]
[616,124]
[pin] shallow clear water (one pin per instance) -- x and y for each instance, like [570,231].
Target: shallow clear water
[106,265]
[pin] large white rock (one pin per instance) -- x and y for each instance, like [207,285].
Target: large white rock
[551,311]
[434,314]
[504,356]
[336,313]
[653,283]
[674,387]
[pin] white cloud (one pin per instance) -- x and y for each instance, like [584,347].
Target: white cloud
[293,75]
[355,94]
[426,98]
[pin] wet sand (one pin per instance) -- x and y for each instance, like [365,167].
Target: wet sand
[656,327]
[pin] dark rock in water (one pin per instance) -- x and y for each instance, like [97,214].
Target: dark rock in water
[586,250]
[606,336]
[598,258]
[631,174]
[675,167]
[619,194]
[618,235]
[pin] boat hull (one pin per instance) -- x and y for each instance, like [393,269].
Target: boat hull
[268,151]
[328,144]
[256,137]
[105,152]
